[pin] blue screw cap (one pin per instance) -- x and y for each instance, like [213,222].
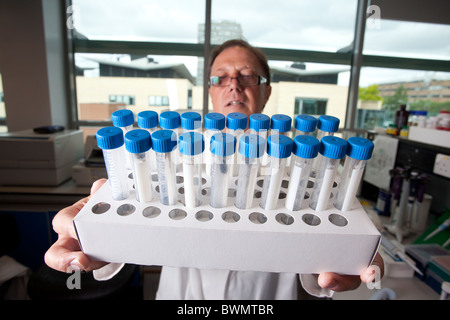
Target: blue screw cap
[109,138]
[169,120]
[359,148]
[279,146]
[214,121]
[306,147]
[191,143]
[305,123]
[164,141]
[281,123]
[259,122]
[328,123]
[333,147]
[252,145]
[223,144]
[147,119]
[191,120]
[237,120]
[122,118]
[138,141]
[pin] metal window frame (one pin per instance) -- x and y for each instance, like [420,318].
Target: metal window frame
[355,58]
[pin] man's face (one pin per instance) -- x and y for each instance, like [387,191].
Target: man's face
[235,62]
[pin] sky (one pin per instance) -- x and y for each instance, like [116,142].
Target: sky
[322,25]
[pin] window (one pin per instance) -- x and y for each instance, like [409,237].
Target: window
[310,106]
[128,100]
[158,101]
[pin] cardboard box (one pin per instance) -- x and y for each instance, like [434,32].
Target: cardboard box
[303,241]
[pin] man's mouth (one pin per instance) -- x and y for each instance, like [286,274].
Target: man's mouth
[234,103]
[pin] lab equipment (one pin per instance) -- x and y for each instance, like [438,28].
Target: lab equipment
[331,150]
[214,122]
[192,145]
[124,119]
[164,143]
[326,126]
[304,150]
[222,147]
[138,144]
[111,141]
[251,149]
[148,120]
[281,124]
[236,124]
[191,121]
[259,124]
[359,150]
[305,124]
[279,148]
[442,227]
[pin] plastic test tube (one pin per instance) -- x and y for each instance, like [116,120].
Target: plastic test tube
[171,120]
[191,121]
[148,120]
[304,125]
[164,143]
[331,150]
[138,143]
[304,150]
[111,141]
[124,119]
[326,126]
[236,124]
[192,145]
[359,150]
[214,122]
[251,148]
[259,124]
[281,124]
[279,148]
[222,147]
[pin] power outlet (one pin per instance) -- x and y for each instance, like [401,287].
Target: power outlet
[442,165]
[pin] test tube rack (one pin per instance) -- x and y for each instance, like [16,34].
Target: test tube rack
[229,238]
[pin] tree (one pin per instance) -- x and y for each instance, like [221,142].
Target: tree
[370,93]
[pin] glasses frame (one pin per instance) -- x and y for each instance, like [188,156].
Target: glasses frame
[214,80]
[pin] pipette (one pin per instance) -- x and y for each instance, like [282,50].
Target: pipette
[442,227]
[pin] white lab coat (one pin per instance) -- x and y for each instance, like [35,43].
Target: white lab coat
[195,284]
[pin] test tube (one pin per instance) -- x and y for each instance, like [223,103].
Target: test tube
[214,122]
[222,147]
[331,150]
[191,145]
[111,141]
[124,119]
[236,124]
[164,143]
[279,148]
[359,150]
[191,121]
[148,120]
[304,150]
[326,126]
[259,124]
[138,143]
[171,120]
[281,124]
[305,125]
[251,148]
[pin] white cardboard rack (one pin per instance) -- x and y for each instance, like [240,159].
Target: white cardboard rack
[278,240]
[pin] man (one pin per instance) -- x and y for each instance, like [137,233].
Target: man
[239,82]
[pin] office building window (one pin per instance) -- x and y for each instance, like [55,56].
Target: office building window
[158,101]
[311,106]
[128,100]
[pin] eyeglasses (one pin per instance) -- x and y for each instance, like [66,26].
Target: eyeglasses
[244,81]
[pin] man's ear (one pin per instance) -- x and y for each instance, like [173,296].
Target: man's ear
[268,92]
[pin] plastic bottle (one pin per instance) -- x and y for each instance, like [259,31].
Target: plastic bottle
[222,147]
[401,117]
[164,143]
[138,143]
[251,149]
[236,124]
[359,150]
[422,119]
[326,126]
[214,122]
[111,141]
[192,145]
[443,120]
[124,119]
[191,121]
[304,150]
[404,132]
[279,148]
[305,125]
[331,150]
[148,120]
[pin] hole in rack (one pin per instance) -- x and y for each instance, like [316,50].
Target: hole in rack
[154,177]
[311,219]
[181,190]
[180,179]
[282,195]
[285,184]
[206,191]
[258,194]
[284,218]
[257,218]
[151,212]
[232,193]
[338,220]
[230,216]
[125,209]
[310,184]
[204,215]
[130,176]
[101,207]
[177,214]
[260,182]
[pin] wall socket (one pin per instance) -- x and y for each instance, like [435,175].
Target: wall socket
[442,165]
